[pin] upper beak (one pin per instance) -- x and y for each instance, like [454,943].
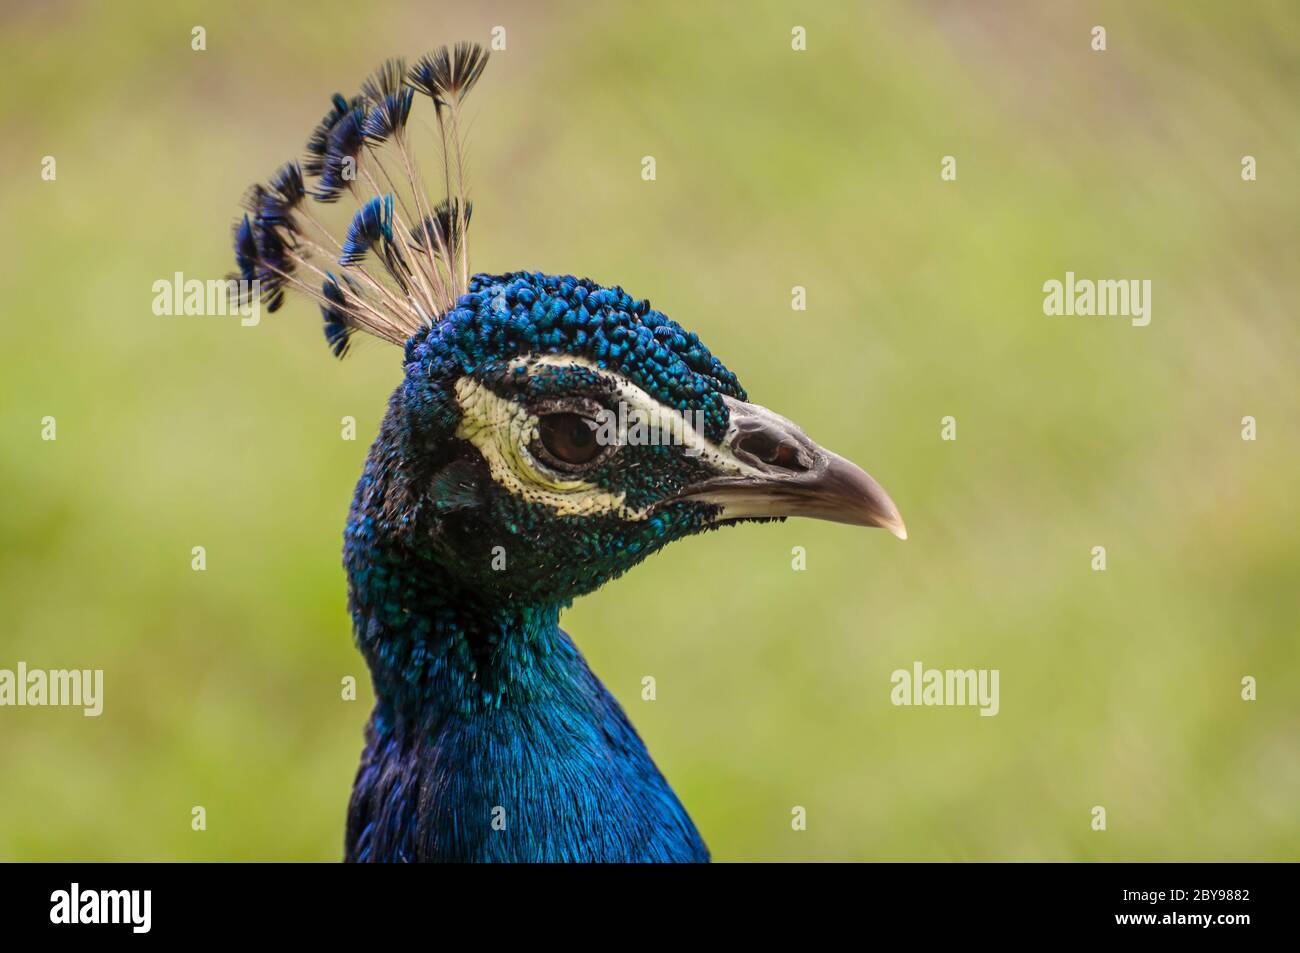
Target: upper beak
[786,474]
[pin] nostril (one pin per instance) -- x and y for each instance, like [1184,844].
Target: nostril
[774,452]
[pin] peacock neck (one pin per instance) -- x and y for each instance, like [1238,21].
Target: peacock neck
[435,651]
[491,739]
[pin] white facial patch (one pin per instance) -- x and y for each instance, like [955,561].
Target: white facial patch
[502,431]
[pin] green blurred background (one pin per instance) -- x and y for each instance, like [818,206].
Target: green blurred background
[775,169]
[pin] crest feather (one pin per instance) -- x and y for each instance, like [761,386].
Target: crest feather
[360,150]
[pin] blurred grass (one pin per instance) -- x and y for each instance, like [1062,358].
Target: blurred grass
[774,169]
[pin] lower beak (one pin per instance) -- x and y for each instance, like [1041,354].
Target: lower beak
[783,473]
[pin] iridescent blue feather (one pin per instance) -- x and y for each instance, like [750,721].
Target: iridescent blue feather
[372,224]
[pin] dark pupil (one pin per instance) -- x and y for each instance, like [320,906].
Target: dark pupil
[570,438]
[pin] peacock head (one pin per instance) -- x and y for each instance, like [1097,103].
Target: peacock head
[575,430]
[549,433]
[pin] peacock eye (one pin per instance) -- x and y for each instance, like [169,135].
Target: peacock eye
[568,439]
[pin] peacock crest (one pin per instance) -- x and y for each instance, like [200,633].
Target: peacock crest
[403,259]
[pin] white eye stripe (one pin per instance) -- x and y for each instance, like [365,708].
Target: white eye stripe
[502,430]
[676,427]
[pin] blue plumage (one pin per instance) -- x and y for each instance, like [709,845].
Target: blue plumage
[318,143]
[273,205]
[541,764]
[372,224]
[484,701]
[391,99]
[245,249]
[334,313]
[549,433]
[339,149]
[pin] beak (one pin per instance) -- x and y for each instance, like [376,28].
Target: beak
[784,473]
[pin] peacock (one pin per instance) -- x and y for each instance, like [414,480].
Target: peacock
[548,434]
